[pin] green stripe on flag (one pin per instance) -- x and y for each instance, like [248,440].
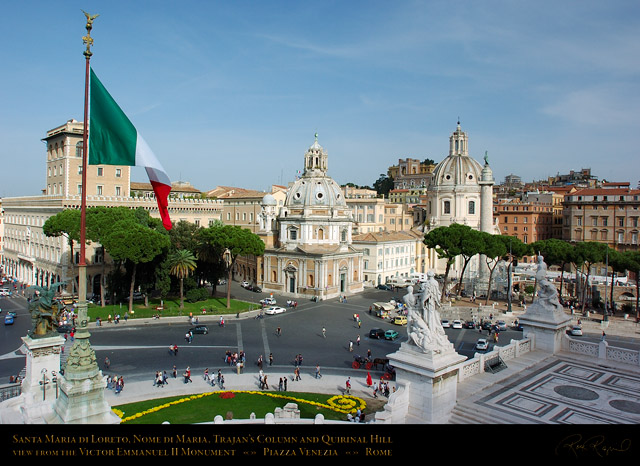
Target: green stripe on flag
[112,136]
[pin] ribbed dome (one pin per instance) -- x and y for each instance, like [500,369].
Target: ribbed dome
[457,170]
[315,191]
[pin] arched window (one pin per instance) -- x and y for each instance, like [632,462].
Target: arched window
[447,207]
[472,207]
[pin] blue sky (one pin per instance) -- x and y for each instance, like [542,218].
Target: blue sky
[232,92]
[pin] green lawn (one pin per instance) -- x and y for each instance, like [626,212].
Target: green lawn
[171,308]
[237,405]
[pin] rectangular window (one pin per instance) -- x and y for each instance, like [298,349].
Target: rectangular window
[118,172]
[100,171]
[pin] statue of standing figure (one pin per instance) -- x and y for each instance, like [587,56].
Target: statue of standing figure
[547,291]
[424,327]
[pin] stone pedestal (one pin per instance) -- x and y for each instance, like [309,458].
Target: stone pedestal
[547,323]
[42,377]
[40,386]
[81,399]
[427,385]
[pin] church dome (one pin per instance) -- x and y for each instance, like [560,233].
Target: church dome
[315,191]
[315,188]
[458,169]
[268,199]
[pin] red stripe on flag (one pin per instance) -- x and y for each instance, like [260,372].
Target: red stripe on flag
[162,196]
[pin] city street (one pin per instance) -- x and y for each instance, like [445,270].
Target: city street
[137,350]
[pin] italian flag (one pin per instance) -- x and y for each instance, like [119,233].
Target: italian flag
[113,140]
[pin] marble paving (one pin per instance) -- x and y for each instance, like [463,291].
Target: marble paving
[566,392]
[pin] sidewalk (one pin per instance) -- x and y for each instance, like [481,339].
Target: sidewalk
[329,384]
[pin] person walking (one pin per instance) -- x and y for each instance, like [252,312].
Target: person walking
[318,375]
[350,345]
[347,386]
[324,332]
[358,340]
[271,359]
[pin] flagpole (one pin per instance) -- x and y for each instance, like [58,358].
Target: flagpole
[82,265]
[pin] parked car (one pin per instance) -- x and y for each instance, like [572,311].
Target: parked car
[482,344]
[274,310]
[390,335]
[244,284]
[501,325]
[456,324]
[400,320]
[383,287]
[255,288]
[65,328]
[202,329]
[446,323]
[268,301]
[376,333]
[8,320]
[575,331]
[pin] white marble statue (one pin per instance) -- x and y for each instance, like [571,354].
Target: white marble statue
[547,291]
[424,327]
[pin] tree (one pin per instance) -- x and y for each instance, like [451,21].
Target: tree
[471,245]
[100,222]
[182,262]
[231,241]
[632,264]
[65,223]
[591,253]
[494,249]
[134,243]
[446,241]
[515,248]
[383,185]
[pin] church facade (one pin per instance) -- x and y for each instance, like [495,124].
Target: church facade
[461,191]
[308,240]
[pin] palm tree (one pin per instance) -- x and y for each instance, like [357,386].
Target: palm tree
[182,262]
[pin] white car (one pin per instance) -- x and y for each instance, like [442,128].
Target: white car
[445,323]
[5,292]
[456,324]
[244,284]
[575,331]
[274,310]
[268,301]
[482,344]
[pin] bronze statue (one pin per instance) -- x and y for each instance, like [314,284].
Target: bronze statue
[44,311]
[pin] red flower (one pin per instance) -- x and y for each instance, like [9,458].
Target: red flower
[226,395]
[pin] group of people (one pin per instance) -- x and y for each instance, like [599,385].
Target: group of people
[233,358]
[208,377]
[115,383]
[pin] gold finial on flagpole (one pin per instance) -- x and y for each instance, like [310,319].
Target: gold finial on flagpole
[88,40]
